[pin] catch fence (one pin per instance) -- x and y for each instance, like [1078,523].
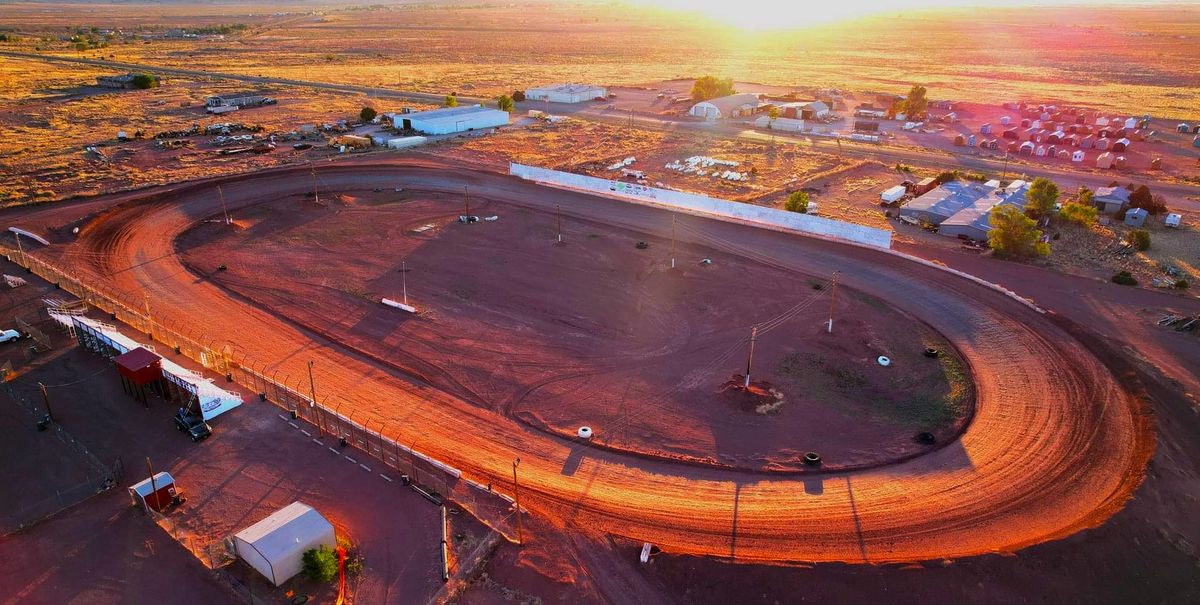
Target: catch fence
[433,478]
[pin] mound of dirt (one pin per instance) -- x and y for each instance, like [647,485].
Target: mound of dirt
[760,397]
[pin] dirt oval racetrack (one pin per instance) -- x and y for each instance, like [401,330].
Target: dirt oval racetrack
[1056,445]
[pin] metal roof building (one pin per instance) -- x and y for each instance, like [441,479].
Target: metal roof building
[566,93]
[450,120]
[731,106]
[974,221]
[275,546]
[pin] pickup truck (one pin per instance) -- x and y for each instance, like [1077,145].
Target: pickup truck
[192,424]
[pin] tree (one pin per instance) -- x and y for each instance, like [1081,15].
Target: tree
[505,103]
[1041,197]
[773,113]
[145,81]
[1015,235]
[320,564]
[518,96]
[947,176]
[711,87]
[1142,198]
[1080,214]
[367,114]
[450,101]
[1139,238]
[916,104]
[797,202]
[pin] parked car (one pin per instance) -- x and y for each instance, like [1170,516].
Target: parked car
[9,335]
[192,424]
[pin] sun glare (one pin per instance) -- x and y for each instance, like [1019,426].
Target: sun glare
[790,14]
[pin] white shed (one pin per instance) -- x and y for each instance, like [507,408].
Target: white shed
[275,546]
[784,124]
[1078,156]
[1173,220]
[893,194]
[402,142]
[1131,123]
[450,120]
[566,93]
[1102,121]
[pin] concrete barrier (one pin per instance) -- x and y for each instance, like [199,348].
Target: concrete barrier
[700,204]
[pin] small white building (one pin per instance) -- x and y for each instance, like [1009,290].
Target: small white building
[893,194]
[450,120]
[1078,156]
[1173,220]
[720,108]
[784,124]
[566,93]
[276,545]
[1131,123]
[402,142]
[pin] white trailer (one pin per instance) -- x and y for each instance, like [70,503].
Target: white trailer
[893,194]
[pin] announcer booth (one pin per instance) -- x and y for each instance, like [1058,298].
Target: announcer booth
[157,493]
[140,368]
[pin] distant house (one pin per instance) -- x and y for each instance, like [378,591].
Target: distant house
[731,106]
[1110,200]
[1105,160]
[566,93]
[124,81]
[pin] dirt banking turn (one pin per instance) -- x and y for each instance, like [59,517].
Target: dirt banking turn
[1055,445]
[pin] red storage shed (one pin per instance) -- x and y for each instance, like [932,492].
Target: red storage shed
[138,368]
[157,493]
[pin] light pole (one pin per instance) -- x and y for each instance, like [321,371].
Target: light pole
[832,298]
[750,355]
[517,500]
[312,385]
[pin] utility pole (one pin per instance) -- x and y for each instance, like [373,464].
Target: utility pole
[312,385]
[672,241]
[312,169]
[467,202]
[224,210]
[149,317]
[46,401]
[558,217]
[517,500]
[153,485]
[750,355]
[404,279]
[832,298]
[20,249]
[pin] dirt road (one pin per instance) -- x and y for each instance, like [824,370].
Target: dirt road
[1056,444]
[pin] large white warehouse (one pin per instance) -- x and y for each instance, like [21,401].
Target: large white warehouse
[566,93]
[450,120]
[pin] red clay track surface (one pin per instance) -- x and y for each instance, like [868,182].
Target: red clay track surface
[1055,446]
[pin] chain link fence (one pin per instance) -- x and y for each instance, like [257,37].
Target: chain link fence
[432,478]
[100,477]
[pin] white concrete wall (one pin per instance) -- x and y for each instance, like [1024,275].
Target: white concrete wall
[700,204]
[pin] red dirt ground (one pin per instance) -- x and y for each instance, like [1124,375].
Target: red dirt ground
[542,337]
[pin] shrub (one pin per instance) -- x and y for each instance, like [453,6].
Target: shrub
[518,96]
[320,564]
[1125,279]
[505,103]
[1140,239]
[797,202]
[450,101]
[1182,284]
[145,81]
[1142,198]
[947,176]
[1080,214]
[367,114]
